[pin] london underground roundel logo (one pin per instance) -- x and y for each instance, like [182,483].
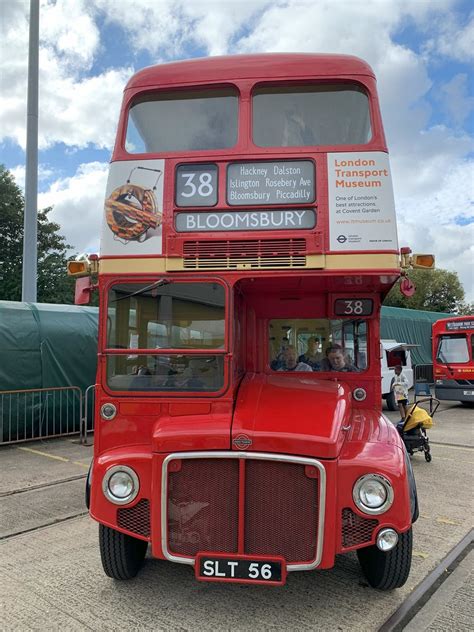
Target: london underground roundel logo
[242,442]
[341,239]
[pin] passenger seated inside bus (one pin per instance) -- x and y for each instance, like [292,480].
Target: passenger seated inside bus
[290,361]
[312,356]
[337,360]
[297,343]
[278,362]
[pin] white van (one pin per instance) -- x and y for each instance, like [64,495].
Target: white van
[394,353]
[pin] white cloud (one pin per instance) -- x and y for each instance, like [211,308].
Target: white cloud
[19,173]
[432,222]
[452,38]
[69,29]
[165,29]
[455,99]
[75,108]
[78,204]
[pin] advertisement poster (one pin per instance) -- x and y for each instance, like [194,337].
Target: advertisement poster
[361,204]
[133,212]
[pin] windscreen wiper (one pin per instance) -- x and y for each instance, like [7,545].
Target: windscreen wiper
[152,286]
[442,357]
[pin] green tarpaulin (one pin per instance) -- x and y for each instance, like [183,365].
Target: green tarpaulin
[44,346]
[410,326]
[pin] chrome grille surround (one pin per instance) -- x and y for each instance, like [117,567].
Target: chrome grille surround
[263,456]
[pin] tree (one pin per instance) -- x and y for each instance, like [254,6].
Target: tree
[436,291]
[465,309]
[54,286]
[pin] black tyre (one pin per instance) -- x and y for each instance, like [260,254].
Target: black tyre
[391,401]
[468,404]
[122,556]
[390,570]
[428,456]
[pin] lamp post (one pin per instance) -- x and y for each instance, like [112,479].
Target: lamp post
[30,233]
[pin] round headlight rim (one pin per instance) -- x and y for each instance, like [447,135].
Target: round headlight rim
[381,534]
[105,484]
[369,510]
[108,417]
[359,394]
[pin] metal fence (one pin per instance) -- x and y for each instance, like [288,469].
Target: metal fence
[423,374]
[44,413]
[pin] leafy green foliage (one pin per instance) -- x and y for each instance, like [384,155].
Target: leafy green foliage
[54,286]
[436,291]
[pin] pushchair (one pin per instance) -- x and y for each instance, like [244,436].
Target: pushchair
[417,421]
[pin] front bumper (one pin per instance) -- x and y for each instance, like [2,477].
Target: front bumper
[455,390]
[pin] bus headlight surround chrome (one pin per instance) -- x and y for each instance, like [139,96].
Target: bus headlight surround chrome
[120,484]
[373,494]
[108,411]
[359,394]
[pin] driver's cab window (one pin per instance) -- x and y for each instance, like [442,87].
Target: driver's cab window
[305,345]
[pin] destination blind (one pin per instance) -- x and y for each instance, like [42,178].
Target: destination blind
[282,182]
[265,219]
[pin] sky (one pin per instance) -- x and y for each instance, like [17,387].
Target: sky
[421,51]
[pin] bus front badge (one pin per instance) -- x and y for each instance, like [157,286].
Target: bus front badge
[242,442]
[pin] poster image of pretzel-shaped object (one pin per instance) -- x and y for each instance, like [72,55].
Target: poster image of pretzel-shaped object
[131,210]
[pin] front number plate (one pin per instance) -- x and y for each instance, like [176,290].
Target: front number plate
[468,393]
[241,569]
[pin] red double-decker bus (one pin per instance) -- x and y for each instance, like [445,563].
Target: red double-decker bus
[249,237]
[453,359]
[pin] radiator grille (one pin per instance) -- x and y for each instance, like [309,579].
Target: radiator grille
[252,253]
[135,519]
[279,508]
[202,498]
[355,529]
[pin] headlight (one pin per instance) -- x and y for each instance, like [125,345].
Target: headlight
[120,484]
[359,394]
[373,494]
[387,539]
[108,411]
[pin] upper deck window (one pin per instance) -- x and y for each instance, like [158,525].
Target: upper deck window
[311,115]
[183,121]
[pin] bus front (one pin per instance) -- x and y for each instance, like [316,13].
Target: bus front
[248,239]
[453,359]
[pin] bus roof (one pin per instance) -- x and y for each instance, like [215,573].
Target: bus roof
[268,65]
[441,322]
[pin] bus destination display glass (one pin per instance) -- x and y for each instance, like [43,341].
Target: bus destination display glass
[262,183]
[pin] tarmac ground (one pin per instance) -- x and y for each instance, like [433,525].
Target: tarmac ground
[52,578]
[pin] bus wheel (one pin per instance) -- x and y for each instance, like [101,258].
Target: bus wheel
[390,570]
[391,401]
[122,556]
[468,404]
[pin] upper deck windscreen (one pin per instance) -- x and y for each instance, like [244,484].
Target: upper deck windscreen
[310,115]
[183,121]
